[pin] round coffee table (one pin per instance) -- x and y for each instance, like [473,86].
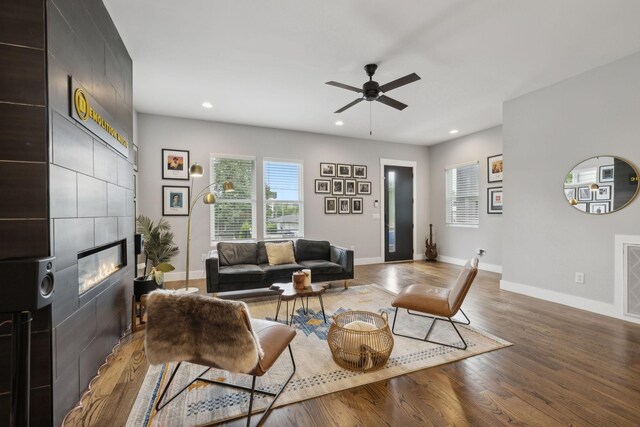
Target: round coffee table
[290,293]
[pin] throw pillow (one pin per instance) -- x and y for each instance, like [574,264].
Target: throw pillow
[280,253]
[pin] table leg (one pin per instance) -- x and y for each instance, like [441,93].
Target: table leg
[322,307]
[293,310]
[278,307]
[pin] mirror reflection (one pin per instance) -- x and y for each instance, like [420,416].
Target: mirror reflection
[601,185]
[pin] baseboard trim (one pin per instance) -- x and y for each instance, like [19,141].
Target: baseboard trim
[181,275]
[481,265]
[581,303]
[366,261]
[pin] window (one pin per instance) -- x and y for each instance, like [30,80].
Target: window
[283,201]
[233,216]
[462,195]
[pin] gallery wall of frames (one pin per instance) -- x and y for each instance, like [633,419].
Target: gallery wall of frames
[344,185]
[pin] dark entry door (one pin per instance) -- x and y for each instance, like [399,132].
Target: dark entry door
[398,213]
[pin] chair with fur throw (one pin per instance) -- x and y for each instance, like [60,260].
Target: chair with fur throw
[215,333]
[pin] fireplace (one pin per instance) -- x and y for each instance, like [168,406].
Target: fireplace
[95,265]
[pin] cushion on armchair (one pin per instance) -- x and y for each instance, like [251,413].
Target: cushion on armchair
[237,253]
[307,250]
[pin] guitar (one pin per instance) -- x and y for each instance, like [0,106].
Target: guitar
[432,249]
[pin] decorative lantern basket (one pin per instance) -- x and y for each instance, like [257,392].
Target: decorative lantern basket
[360,340]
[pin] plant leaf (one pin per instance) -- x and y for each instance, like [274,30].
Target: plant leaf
[164,267]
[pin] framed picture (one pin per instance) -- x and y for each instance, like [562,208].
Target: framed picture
[338,186]
[344,205]
[135,157]
[581,207]
[356,205]
[327,169]
[606,173]
[175,164]
[323,186]
[364,187]
[584,194]
[494,168]
[570,193]
[494,200]
[135,186]
[350,187]
[599,207]
[175,201]
[360,171]
[330,205]
[344,171]
[603,193]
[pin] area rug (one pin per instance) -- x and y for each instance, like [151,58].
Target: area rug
[316,375]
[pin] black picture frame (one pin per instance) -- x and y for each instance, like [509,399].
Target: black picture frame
[135,157]
[323,186]
[343,171]
[357,205]
[344,205]
[175,164]
[364,187]
[350,187]
[337,186]
[494,168]
[584,194]
[603,193]
[175,200]
[606,173]
[494,200]
[330,205]
[599,208]
[360,171]
[327,169]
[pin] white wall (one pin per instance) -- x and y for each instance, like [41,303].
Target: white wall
[203,137]
[546,133]
[457,244]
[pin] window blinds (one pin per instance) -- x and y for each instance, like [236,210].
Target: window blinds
[283,201]
[462,190]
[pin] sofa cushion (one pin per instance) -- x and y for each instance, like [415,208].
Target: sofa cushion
[241,273]
[262,250]
[280,253]
[237,253]
[282,271]
[322,267]
[307,250]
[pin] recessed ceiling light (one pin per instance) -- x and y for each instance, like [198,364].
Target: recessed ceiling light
[453,131]
[339,123]
[207,104]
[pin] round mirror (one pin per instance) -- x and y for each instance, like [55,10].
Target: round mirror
[601,185]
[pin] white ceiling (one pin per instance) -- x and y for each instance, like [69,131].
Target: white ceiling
[265,62]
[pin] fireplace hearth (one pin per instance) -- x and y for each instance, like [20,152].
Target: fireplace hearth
[97,264]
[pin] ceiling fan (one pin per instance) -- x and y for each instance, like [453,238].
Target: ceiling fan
[372,91]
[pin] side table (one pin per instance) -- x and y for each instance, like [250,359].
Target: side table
[290,293]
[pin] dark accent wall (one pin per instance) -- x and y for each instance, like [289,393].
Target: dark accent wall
[70,190]
[91,193]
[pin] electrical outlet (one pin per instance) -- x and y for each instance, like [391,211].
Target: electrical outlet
[579,277]
[480,251]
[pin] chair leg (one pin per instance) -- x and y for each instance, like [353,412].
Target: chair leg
[159,406]
[426,338]
[346,285]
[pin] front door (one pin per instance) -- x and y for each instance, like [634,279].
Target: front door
[398,213]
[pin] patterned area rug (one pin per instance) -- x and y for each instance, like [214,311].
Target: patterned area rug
[317,374]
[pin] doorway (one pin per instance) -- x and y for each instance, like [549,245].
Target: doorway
[398,228]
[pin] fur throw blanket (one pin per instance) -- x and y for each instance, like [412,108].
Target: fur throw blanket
[200,329]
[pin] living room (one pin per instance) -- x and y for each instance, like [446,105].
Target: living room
[545,86]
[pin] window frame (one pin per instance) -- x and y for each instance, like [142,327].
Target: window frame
[300,163]
[448,199]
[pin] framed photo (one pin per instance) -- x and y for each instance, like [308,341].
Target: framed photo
[584,194]
[330,205]
[360,171]
[327,169]
[344,171]
[175,201]
[606,173]
[323,186]
[494,200]
[135,186]
[599,207]
[581,207]
[494,168]
[570,193]
[356,205]
[344,205]
[175,164]
[350,187]
[603,193]
[364,187]
[135,157]
[338,186]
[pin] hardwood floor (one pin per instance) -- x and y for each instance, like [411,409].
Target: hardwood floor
[566,367]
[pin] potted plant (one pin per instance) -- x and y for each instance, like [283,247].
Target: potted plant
[159,249]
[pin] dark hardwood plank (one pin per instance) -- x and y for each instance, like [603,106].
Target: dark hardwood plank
[22,75]
[22,22]
[24,238]
[23,187]
[23,133]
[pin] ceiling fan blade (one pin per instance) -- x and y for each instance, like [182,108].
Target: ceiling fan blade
[400,82]
[392,102]
[343,86]
[351,104]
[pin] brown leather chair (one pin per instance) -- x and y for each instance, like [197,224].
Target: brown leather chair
[438,303]
[217,334]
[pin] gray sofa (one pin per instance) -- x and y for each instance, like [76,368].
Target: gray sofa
[236,267]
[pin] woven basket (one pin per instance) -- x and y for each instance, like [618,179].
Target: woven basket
[360,350]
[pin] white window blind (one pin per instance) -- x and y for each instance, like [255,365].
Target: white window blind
[233,216]
[283,199]
[462,195]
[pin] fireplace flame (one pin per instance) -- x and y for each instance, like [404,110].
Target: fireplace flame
[104,271]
